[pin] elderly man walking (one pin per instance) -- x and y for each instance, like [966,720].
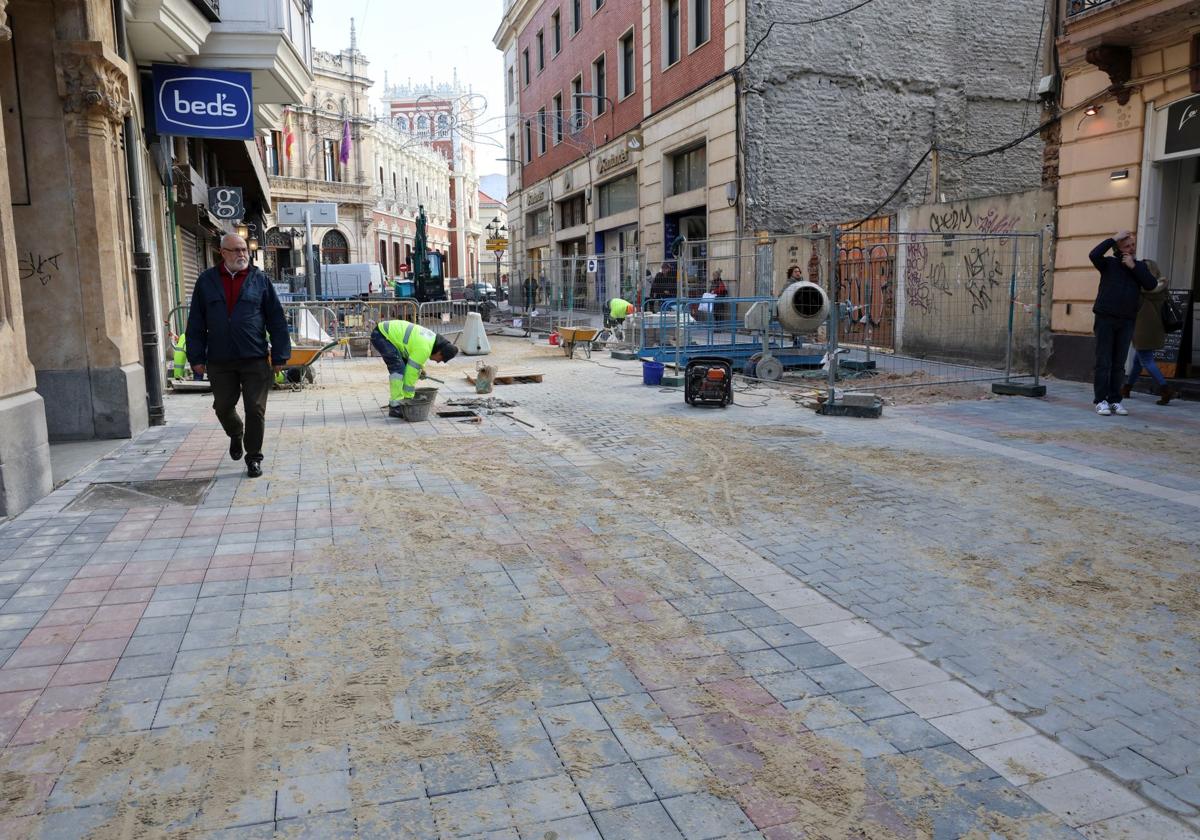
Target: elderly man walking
[234,311]
[1122,278]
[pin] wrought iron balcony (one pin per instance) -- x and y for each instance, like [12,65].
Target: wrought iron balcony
[1076,7]
[211,9]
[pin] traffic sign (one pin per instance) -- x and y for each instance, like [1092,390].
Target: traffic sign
[496,243]
[319,212]
[403,268]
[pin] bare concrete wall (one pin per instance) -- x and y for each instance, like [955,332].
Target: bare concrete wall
[957,266]
[837,113]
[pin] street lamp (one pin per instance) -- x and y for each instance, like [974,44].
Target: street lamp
[497,230]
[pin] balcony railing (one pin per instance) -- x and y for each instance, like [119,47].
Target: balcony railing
[1076,7]
[211,9]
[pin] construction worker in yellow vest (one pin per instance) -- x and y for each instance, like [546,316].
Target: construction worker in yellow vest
[180,357]
[618,309]
[406,348]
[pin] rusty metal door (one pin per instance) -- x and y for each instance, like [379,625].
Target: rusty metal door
[867,281]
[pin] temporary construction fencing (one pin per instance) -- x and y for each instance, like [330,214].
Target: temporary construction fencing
[907,309]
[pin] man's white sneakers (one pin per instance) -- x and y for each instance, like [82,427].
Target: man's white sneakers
[1119,409]
[1103,408]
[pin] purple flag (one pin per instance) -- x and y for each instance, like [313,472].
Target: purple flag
[344,155]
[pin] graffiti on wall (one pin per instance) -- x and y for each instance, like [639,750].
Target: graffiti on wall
[40,266]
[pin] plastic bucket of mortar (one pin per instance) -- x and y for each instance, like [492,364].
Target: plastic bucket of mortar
[418,408]
[652,373]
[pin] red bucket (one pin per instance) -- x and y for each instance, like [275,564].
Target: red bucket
[554,338]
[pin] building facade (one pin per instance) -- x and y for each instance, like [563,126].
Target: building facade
[378,182]
[95,205]
[621,134]
[1130,158]
[444,117]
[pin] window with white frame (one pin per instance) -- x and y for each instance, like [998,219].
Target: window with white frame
[576,15]
[689,169]
[525,65]
[576,105]
[556,32]
[528,142]
[558,119]
[541,50]
[542,131]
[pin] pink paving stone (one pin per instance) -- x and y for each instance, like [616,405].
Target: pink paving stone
[66,697]
[18,826]
[270,570]
[81,673]
[65,634]
[24,679]
[72,600]
[183,576]
[272,557]
[17,704]
[715,728]
[100,649]
[715,667]
[120,612]
[90,584]
[765,808]
[33,655]
[140,581]
[745,694]
[109,630]
[226,560]
[228,573]
[203,531]
[580,583]
[92,570]
[791,831]
[662,677]
[43,727]
[128,596]
[29,798]
[188,563]
[72,615]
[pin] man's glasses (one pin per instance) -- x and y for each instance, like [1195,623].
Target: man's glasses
[236,250]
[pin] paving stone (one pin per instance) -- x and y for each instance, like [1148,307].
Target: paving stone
[614,786]
[647,821]
[1026,760]
[544,800]
[471,811]
[1084,797]
[908,732]
[871,703]
[837,678]
[982,727]
[939,699]
[1146,824]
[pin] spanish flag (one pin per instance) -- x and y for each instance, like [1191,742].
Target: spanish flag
[289,136]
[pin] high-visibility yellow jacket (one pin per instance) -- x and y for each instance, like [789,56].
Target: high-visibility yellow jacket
[180,357]
[415,345]
[618,309]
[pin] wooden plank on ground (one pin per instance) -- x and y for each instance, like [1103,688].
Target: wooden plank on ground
[508,376]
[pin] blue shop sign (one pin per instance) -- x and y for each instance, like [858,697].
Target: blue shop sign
[197,102]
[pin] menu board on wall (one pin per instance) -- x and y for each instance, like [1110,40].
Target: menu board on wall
[1172,359]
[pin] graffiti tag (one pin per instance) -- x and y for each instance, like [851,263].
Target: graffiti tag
[40,267]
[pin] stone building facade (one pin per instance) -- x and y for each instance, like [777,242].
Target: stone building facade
[386,176]
[1130,158]
[92,206]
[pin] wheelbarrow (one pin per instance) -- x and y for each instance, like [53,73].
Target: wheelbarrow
[569,337]
[298,369]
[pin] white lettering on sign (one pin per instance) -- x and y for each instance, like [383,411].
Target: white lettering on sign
[1188,115]
[217,108]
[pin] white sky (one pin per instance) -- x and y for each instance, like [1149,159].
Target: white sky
[418,39]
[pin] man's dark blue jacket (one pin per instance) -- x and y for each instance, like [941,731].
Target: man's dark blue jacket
[213,336]
[1120,292]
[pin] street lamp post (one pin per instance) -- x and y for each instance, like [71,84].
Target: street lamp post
[497,230]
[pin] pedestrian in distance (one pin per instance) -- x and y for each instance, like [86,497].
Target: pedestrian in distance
[238,335]
[1149,336]
[406,348]
[1118,298]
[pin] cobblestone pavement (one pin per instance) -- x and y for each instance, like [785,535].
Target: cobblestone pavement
[626,619]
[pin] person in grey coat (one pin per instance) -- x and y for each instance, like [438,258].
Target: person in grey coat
[1149,336]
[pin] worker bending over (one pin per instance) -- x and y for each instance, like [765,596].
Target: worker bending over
[617,310]
[406,348]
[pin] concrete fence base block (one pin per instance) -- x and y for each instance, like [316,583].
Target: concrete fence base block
[1018,389]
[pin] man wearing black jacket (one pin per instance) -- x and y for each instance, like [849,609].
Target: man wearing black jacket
[234,308]
[1122,277]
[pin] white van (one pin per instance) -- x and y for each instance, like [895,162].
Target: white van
[351,280]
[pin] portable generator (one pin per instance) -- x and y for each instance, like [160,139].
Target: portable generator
[708,380]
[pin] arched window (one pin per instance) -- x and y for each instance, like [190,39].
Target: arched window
[443,125]
[422,125]
[335,250]
[396,261]
[383,255]
[402,123]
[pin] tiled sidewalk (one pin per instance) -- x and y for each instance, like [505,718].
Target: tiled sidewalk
[451,631]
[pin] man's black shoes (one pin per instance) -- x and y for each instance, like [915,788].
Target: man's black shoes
[253,469]
[235,448]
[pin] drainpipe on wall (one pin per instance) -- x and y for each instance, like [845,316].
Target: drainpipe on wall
[152,362]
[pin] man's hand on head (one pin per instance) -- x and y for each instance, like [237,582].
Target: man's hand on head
[1119,235]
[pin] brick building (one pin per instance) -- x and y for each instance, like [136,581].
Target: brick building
[621,126]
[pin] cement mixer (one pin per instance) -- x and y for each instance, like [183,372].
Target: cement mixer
[800,310]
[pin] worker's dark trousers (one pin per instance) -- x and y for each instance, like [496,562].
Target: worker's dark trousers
[250,381]
[388,352]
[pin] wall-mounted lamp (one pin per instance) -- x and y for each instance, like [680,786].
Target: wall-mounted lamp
[252,244]
[242,231]
[1118,175]
[1093,110]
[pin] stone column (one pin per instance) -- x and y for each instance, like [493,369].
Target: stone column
[24,449]
[73,236]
